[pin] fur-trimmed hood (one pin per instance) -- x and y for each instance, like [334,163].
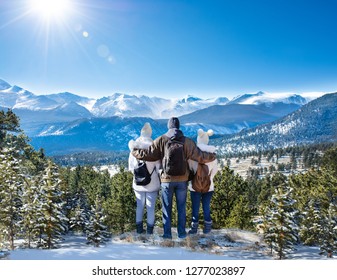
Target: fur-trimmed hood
[175,133]
[140,143]
[206,148]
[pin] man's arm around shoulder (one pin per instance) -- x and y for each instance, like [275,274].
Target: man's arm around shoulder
[153,153]
[194,153]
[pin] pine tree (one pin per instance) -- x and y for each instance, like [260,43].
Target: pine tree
[328,242]
[53,220]
[87,178]
[329,160]
[228,187]
[31,209]
[80,213]
[281,228]
[79,220]
[267,227]
[96,229]
[268,185]
[10,193]
[311,228]
[241,215]
[120,207]
[76,205]
[9,122]
[319,185]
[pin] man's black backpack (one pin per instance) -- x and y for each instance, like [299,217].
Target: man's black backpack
[142,175]
[174,162]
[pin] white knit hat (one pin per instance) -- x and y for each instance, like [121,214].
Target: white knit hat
[144,140]
[203,137]
[146,131]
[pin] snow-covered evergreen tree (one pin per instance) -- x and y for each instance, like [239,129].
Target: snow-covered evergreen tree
[280,223]
[96,230]
[9,123]
[265,225]
[10,193]
[52,223]
[31,207]
[328,241]
[311,226]
[80,212]
[79,219]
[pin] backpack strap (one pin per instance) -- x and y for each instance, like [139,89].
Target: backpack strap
[181,140]
[139,161]
[153,171]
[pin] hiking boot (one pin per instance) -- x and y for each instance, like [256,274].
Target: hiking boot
[194,228]
[149,229]
[207,227]
[139,228]
[166,236]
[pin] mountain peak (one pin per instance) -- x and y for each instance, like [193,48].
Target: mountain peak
[16,89]
[189,98]
[259,93]
[66,93]
[4,85]
[263,97]
[119,95]
[221,100]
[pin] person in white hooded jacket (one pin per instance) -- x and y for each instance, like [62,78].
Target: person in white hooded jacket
[204,198]
[145,195]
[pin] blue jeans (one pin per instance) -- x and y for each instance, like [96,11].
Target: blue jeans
[179,189]
[205,199]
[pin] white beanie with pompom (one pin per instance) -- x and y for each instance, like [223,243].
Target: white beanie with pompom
[203,137]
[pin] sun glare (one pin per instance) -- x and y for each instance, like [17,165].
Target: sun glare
[49,9]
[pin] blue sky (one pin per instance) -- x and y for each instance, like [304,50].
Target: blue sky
[171,48]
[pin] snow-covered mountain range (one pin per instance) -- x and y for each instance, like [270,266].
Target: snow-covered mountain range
[60,122]
[268,98]
[315,122]
[118,104]
[123,105]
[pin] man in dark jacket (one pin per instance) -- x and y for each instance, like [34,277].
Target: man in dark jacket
[173,184]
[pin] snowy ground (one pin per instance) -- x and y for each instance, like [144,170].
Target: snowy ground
[223,244]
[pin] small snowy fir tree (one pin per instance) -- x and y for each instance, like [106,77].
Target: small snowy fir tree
[311,228]
[79,219]
[31,207]
[328,242]
[10,194]
[80,212]
[96,230]
[53,221]
[281,228]
[264,222]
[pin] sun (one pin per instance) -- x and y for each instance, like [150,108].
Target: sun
[51,9]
